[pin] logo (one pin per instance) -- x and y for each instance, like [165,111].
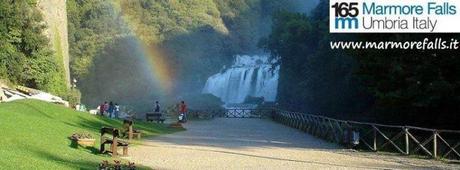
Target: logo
[346,15]
[394,16]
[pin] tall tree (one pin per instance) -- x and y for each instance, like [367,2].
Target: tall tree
[313,78]
[25,55]
[417,87]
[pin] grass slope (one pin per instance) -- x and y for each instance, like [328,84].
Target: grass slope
[34,135]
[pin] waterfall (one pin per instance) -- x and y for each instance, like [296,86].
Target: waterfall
[255,76]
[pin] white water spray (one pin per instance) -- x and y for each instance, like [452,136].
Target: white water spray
[255,76]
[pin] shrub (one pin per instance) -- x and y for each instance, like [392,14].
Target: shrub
[73,96]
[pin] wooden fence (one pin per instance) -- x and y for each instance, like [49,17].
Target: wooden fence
[230,113]
[406,140]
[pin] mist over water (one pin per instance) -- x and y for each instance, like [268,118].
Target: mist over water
[255,76]
[121,74]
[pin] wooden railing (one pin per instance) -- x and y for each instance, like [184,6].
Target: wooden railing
[206,113]
[406,140]
[230,113]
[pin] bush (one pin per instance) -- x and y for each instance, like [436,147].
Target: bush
[73,96]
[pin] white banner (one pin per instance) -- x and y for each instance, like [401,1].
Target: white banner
[394,16]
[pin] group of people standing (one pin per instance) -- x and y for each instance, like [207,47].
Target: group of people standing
[109,108]
[112,110]
[182,107]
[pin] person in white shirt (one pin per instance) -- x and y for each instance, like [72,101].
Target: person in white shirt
[116,110]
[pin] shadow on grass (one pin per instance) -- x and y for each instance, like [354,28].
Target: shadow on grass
[93,124]
[92,149]
[34,108]
[73,144]
[66,162]
[74,163]
[96,123]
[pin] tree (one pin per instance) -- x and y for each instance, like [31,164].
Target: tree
[25,55]
[417,87]
[313,78]
[407,87]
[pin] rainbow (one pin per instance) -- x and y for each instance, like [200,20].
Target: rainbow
[156,58]
[159,66]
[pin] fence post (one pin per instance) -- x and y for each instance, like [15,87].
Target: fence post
[375,139]
[435,144]
[406,135]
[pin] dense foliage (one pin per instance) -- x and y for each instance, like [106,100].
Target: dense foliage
[417,86]
[92,25]
[195,37]
[313,78]
[26,57]
[414,87]
[188,29]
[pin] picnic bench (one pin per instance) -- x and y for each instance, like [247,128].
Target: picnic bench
[155,117]
[129,131]
[113,140]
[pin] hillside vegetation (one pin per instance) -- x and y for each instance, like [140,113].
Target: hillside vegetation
[35,135]
[404,87]
[26,57]
[195,38]
[228,27]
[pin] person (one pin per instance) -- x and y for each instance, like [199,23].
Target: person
[183,111]
[111,109]
[157,107]
[117,110]
[77,107]
[105,107]
[101,109]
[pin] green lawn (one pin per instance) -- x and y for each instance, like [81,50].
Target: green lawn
[34,135]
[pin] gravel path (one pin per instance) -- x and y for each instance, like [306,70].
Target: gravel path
[259,144]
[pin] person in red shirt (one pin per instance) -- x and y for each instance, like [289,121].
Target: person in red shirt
[183,111]
[101,109]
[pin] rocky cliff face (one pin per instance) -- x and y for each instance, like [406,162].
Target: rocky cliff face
[55,16]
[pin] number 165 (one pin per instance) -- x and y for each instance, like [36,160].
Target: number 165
[346,9]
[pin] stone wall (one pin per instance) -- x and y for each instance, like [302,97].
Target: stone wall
[55,15]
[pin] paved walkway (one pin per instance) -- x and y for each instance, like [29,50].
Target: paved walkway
[259,144]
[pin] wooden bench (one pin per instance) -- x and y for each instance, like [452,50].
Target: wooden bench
[129,130]
[114,141]
[155,117]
